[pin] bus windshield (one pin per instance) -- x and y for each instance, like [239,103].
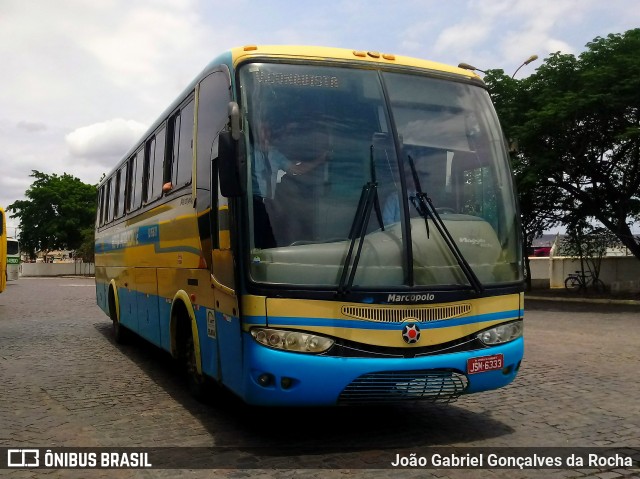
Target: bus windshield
[343,163]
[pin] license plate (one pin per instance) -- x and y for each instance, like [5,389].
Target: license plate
[485,363]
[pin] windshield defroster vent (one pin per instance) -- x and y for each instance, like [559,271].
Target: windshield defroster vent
[398,315]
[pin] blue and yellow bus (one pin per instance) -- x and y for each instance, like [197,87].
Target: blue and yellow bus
[3,250]
[318,226]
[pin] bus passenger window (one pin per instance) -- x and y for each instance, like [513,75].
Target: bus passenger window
[138,179]
[109,198]
[212,116]
[116,191]
[154,166]
[158,164]
[184,141]
[100,215]
[129,184]
[148,170]
[180,147]
[173,142]
[120,193]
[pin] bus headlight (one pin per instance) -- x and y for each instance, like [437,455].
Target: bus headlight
[501,334]
[291,340]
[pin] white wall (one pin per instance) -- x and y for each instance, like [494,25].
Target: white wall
[620,273]
[57,269]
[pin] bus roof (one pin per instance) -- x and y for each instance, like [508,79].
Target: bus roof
[376,59]
[237,55]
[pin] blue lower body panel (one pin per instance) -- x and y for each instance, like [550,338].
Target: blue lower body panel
[311,380]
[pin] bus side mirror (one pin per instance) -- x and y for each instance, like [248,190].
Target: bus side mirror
[234,120]
[231,156]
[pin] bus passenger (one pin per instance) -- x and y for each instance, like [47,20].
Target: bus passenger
[267,162]
[301,191]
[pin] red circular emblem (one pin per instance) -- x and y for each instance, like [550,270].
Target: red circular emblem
[411,333]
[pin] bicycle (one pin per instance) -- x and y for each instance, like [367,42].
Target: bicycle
[579,281]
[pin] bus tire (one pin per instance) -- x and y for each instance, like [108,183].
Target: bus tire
[196,382]
[118,330]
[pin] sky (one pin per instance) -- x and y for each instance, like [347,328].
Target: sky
[81,81]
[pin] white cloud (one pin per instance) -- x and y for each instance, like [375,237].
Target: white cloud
[462,37]
[109,139]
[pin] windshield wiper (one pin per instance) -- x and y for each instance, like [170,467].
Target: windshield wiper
[369,200]
[427,210]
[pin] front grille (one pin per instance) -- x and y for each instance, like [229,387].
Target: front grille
[395,386]
[394,314]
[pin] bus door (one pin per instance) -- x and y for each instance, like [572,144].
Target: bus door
[228,321]
[223,338]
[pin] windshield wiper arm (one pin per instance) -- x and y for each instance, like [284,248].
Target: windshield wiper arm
[374,180]
[369,200]
[427,210]
[358,230]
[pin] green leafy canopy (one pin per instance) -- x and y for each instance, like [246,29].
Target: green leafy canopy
[55,212]
[576,123]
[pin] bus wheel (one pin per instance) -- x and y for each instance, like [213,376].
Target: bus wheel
[119,331]
[196,382]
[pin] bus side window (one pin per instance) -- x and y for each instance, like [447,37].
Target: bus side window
[154,166]
[149,152]
[173,144]
[137,187]
[213,114]
[109,199]
[179,159]
[183,161]
[121,183]
[100,209]
[116,192]
[128,202]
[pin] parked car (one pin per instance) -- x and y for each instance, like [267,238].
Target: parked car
[541,251]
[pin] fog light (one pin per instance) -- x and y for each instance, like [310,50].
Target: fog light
[265,380]
[286,383]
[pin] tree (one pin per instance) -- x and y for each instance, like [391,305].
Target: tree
[538,200]
[56,211]
[577,125]
[86,250]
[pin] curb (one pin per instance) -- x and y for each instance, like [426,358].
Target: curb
[623,302]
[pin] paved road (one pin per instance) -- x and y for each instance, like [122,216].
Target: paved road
[64,382]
